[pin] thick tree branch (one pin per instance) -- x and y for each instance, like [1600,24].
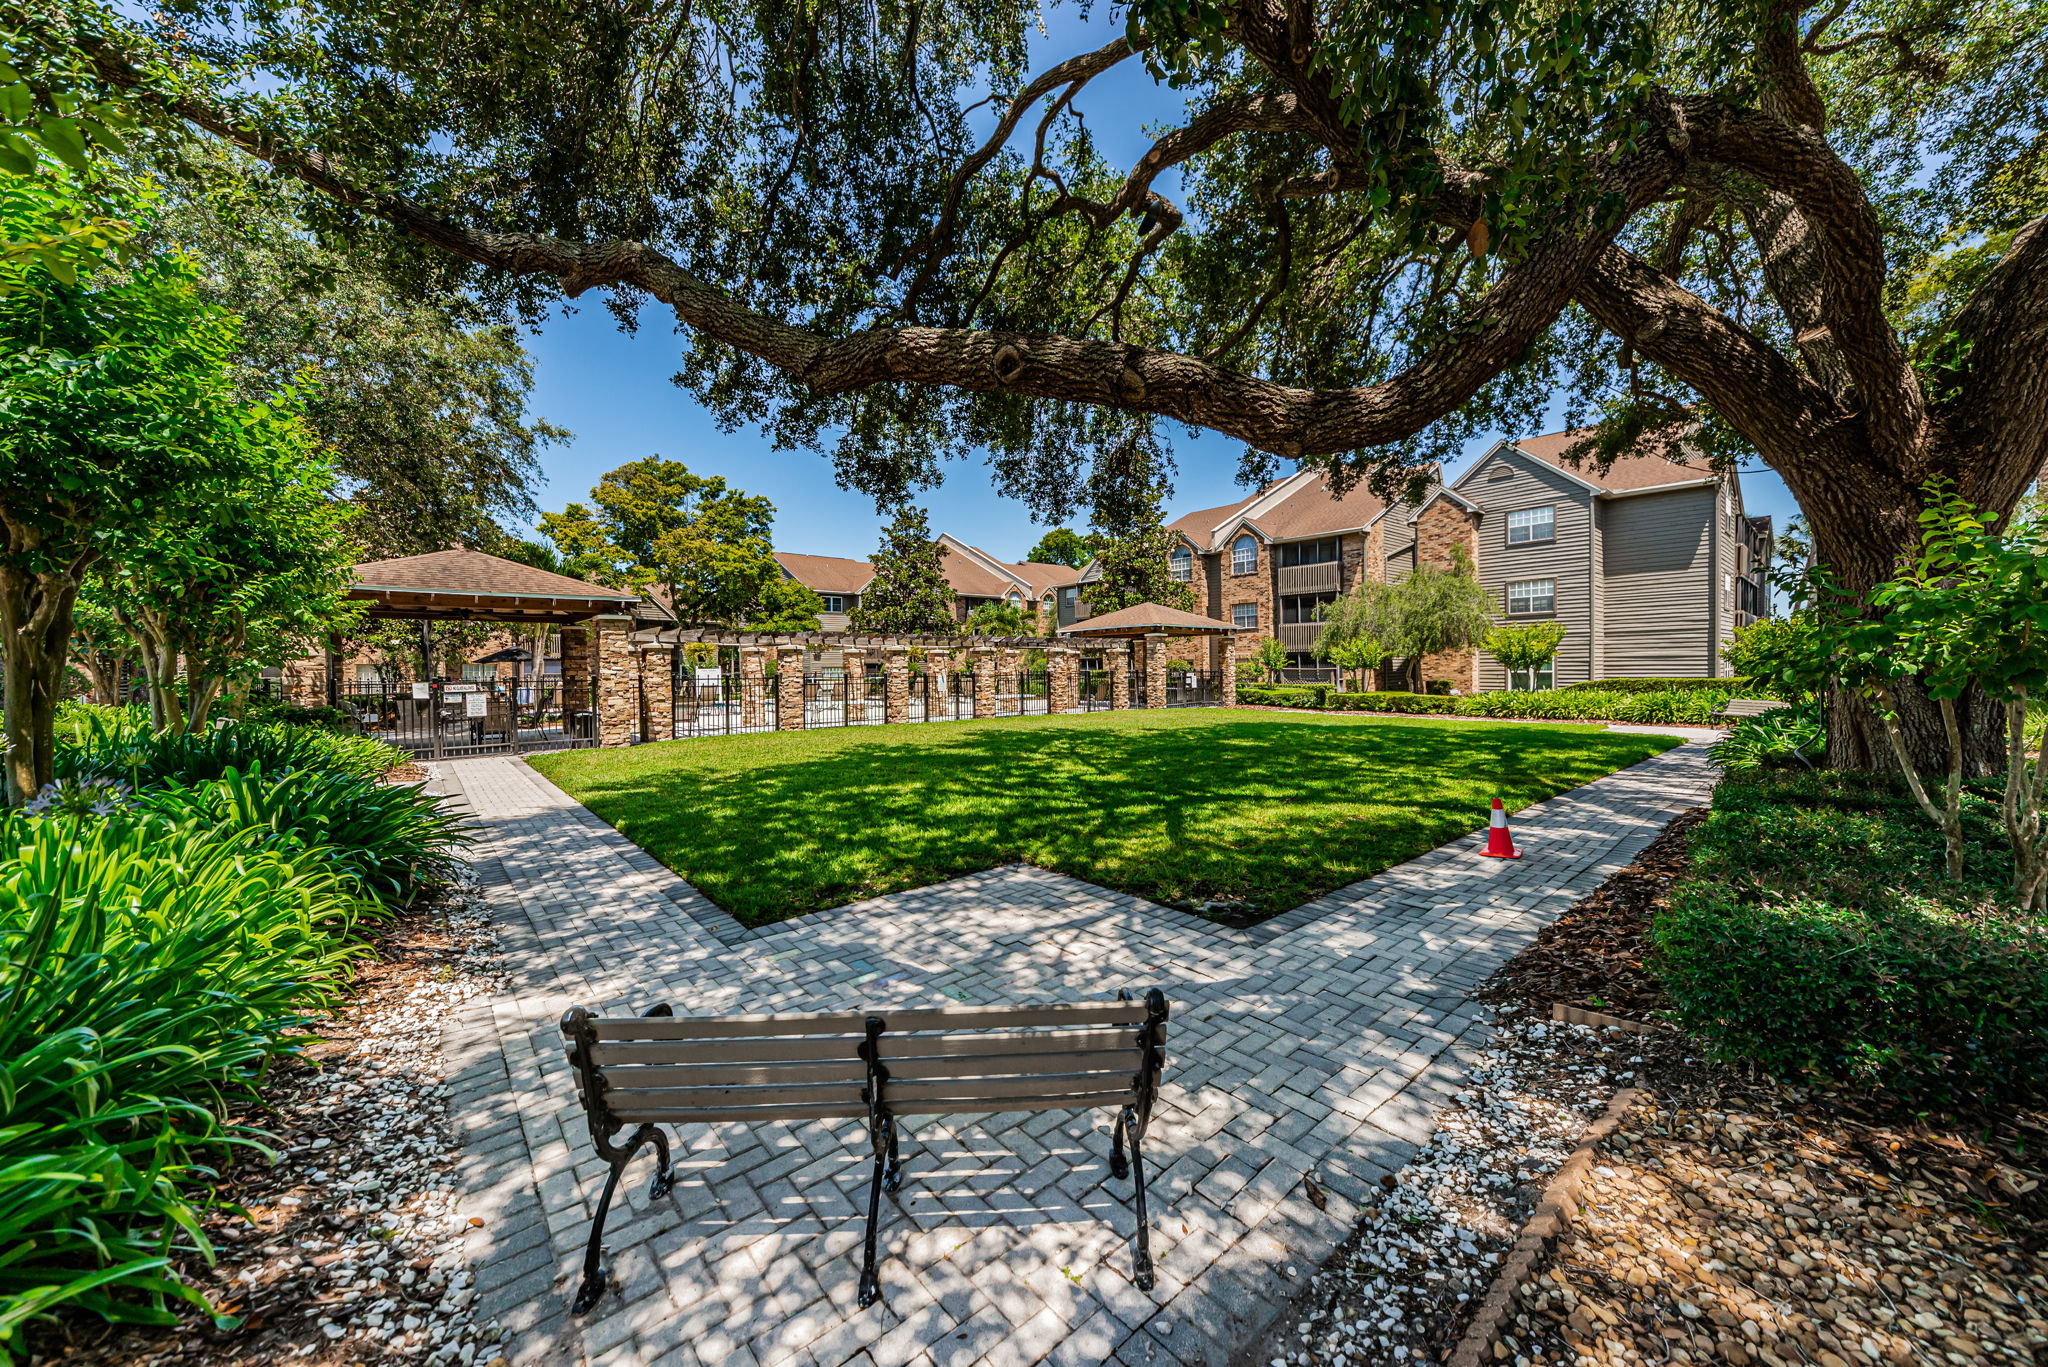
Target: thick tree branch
[2004,390]
[1279,418]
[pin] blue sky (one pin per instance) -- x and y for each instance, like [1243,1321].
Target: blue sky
[613,390]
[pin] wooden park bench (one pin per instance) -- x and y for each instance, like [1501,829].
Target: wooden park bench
[1735,709]
[663,1069]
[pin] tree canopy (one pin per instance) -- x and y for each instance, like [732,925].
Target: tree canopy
[1812,231]
[1062,546]
[909,593]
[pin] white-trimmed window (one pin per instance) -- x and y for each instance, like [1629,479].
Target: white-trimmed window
[1180,565]
[479,673]
[1530,680]
[834,602]
[369,674]
[1244,555]
[1244,614]
[1532,596]
[1532,524]
[1016,599]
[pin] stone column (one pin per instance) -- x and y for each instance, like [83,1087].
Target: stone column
[984,658]
[657,693]
[789,688]
[1116,657]
[853,663]
[1063,672]
[618,684]
[1229,670]
[896,670]
[578,695]
[753,686]
[1155,669]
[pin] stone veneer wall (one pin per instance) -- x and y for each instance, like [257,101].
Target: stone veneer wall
[657,693]
[618,680]
[1443,527]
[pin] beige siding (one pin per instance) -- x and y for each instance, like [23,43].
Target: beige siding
[1398,544]
[1657,553]
[1503,484]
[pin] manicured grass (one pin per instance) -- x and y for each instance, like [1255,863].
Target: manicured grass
[1183,806]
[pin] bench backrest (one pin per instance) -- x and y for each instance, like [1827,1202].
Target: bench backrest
[1751,707]
[664,1069]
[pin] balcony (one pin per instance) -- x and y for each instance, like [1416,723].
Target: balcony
[1298,635]
[1324,578]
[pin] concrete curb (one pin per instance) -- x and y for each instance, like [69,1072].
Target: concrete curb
[1552,1216]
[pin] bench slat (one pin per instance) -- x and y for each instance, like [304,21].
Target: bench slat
[617,1052]
[683,1115]
[1110,1062]
[854,1023]
[962,1090]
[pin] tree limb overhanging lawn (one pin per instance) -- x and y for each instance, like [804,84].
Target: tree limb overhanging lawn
[1182,807]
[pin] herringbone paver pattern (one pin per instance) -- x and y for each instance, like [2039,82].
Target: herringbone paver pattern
[1319,1042]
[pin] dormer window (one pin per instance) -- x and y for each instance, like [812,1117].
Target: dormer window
[1180,565]
[1244,555]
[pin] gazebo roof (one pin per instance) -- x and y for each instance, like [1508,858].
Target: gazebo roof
[463,585]
[1144,619]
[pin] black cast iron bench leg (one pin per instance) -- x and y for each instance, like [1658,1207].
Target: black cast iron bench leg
[1141,1262]
[592,1290]
[886,1168]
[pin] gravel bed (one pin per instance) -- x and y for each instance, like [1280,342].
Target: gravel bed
[352,1246]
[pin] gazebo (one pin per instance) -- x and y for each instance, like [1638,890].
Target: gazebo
[599,688]
[1148,627]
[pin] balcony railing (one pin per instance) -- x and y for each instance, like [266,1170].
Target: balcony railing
[1323,578]
[1298,635]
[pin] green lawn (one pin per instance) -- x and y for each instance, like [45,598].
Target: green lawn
[1182,806]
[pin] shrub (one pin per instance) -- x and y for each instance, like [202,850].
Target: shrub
[1391,702]
[387,840]
[273,711]
[149,971]
[1786,738]
[1818,935]
[1742,688]
[1547,704]
[1283,696]
[118,744]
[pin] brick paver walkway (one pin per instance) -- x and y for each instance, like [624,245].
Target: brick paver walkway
[1319,1042]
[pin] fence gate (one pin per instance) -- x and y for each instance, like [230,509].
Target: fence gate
[451,720]
[1096,691]
[1193,688]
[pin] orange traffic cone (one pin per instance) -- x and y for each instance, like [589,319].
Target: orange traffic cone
[1499,844]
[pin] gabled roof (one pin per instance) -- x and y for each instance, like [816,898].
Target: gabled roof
[826,573]
[1291,509]
[1656,465]
[1143,617]
[1444,491]
[479,575]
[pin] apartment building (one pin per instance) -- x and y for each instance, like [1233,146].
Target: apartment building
[1650,565]
[976,578]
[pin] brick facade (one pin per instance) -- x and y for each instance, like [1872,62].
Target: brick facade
[1443,529]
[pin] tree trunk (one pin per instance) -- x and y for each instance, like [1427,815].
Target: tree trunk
[35,623]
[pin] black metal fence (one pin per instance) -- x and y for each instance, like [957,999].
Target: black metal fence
[451,720]
[711,703]
[1193,688]
[1096,690]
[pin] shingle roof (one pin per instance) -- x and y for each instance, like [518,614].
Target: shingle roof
[1308,510]
[826,573]
[463,571]
[1646,469]
[1143,617]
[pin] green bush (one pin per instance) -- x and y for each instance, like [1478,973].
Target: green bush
[1741,688]
[1311,695]
[1785,738]
[388,840]
[1650,707]
[1818,935]
[1391,702]
[278,712]
[149,971]
[117,744]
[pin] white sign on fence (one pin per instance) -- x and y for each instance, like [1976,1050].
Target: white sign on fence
[476,704]
[423,691]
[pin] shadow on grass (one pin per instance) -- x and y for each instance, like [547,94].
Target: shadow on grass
[1179,807]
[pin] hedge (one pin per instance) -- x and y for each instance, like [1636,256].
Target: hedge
[1653,707]
[1741,688]
[1392,702]
[1312,695]
[1818,935]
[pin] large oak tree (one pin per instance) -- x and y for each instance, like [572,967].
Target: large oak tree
[1807,230]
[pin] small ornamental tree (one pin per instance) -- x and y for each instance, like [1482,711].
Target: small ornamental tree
[238,576]
[1270,656]
[1968,615]
[1439,608]
[909,594]
[1781,653]
[1352,656]
[1524,647]
[115,403]
[1001,619]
